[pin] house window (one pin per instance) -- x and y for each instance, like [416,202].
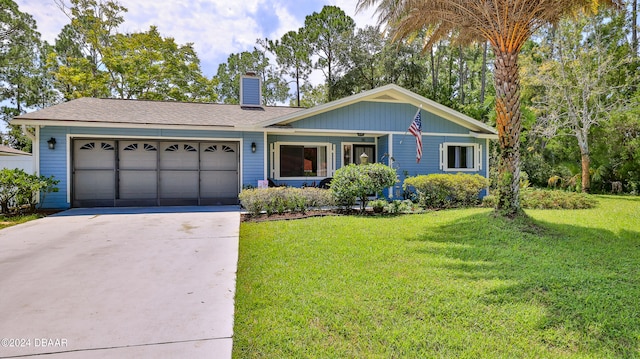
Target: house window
[460,157]
[351,153]
[302,160]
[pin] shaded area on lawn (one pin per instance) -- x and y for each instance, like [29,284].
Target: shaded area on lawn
[446,284]
[587,280]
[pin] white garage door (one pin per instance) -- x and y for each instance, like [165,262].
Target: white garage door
[149,173]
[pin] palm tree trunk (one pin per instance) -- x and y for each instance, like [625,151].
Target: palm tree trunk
[507,82]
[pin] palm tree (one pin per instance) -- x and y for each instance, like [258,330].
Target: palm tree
[506,25]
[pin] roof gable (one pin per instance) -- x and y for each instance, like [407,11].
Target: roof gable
[389,94]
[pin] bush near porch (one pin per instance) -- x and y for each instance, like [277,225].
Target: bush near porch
[358,182]
[284,199]
[447,190]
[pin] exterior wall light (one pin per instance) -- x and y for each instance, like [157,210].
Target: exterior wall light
[52,143]
[253,147]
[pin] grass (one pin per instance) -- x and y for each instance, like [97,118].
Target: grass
[13,220]
[457,283]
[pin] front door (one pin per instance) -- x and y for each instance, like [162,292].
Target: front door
[369,150]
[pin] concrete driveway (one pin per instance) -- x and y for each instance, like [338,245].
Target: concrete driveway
[142,282]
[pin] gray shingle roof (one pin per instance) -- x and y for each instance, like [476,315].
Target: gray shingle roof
[156,113]
[6,150]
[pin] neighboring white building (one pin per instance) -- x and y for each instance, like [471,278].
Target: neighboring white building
[12,158]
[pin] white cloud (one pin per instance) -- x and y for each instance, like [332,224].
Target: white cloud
[363,18]
[217,28]
[287,22]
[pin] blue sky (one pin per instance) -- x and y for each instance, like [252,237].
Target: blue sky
[217,28]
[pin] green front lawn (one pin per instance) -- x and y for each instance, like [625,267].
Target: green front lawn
[449,284]
[13,220]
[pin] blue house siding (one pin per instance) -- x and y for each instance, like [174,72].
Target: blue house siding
[403,151]
[383,149]
[405,155]
[54,163]
[376,116]
[252,163]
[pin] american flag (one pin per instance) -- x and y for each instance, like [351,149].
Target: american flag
[416,130]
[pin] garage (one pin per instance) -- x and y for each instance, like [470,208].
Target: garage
[154,173]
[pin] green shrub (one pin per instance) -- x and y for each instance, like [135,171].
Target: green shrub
[284,199]
[447,190]
[317,197]
[548,199]
[545,199]
[354,182]
[378,205]
[489,201]
[398,206]
[20,189]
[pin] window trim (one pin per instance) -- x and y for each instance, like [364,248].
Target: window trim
[351,144]
[444,156]
[276,159]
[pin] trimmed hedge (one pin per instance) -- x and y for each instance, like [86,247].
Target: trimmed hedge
[531,198]
[284,199]
[447,190]
[354,182]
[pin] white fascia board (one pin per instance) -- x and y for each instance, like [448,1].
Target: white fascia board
[322,132]
[489,136]
[152,138]
[352,133]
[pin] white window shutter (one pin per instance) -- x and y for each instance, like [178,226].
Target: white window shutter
[333,160]
[273,160]
[441,156]
[479,157]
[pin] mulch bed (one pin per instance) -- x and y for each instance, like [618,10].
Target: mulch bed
[247,217]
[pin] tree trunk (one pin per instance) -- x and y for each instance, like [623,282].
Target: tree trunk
[450,94]
[298,85]
[583,143]
[634,27]
[483,76]
[461,73]
[434,77]
[586,176]
[509,126]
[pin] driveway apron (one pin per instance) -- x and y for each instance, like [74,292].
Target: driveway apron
[120,283]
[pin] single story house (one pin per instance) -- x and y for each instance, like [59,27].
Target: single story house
[11,158]
[111,152]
